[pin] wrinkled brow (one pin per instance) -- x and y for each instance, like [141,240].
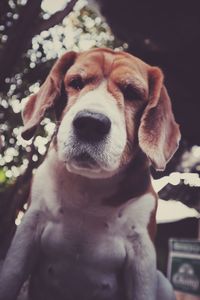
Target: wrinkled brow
[130,79]
[85,71]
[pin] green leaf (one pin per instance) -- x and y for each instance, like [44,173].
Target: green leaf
[2,176]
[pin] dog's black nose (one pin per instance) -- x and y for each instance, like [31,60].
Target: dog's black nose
[90,126]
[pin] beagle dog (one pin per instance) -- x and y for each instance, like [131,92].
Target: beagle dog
[89,228]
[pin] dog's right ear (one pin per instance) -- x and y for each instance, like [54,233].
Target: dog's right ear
[46,97]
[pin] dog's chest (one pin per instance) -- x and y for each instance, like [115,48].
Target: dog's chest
[83,250]
[85,237]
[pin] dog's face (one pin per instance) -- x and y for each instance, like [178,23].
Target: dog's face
[105,96]
[116,104]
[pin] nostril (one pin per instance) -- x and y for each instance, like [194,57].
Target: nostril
[101,124]
[80,123]
[91,126]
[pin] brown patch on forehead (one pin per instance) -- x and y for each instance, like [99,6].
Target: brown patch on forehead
[97,60]
[102,62]
[114,59]
[109,59]
[131,65]
[128,70]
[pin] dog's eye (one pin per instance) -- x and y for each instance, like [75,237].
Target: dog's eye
[77,83]
[130,93]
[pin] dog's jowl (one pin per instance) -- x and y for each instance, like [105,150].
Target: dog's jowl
[89,229]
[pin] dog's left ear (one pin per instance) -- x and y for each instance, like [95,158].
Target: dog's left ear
[158,134]
[46,97]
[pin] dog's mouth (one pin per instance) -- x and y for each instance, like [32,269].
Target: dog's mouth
[85,161]
[83,164]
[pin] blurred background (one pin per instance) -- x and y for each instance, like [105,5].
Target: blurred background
[33,34]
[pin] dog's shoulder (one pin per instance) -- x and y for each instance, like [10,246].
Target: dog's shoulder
[137,211]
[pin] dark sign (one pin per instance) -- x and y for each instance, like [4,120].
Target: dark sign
[184,265]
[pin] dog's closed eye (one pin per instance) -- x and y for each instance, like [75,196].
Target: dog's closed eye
[130,92]
[77,83]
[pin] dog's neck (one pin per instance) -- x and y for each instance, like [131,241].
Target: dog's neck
[96,196]
[134,181]
[130,182]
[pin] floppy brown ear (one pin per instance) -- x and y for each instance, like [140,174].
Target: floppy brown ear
[50,90]
[158,134]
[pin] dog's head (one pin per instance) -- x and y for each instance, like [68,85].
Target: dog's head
[116,104]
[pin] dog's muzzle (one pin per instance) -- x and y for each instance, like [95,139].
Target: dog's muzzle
[90,126]
[92,140]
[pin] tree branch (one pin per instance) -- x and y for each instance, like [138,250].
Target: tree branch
[18,40]
[55,18]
